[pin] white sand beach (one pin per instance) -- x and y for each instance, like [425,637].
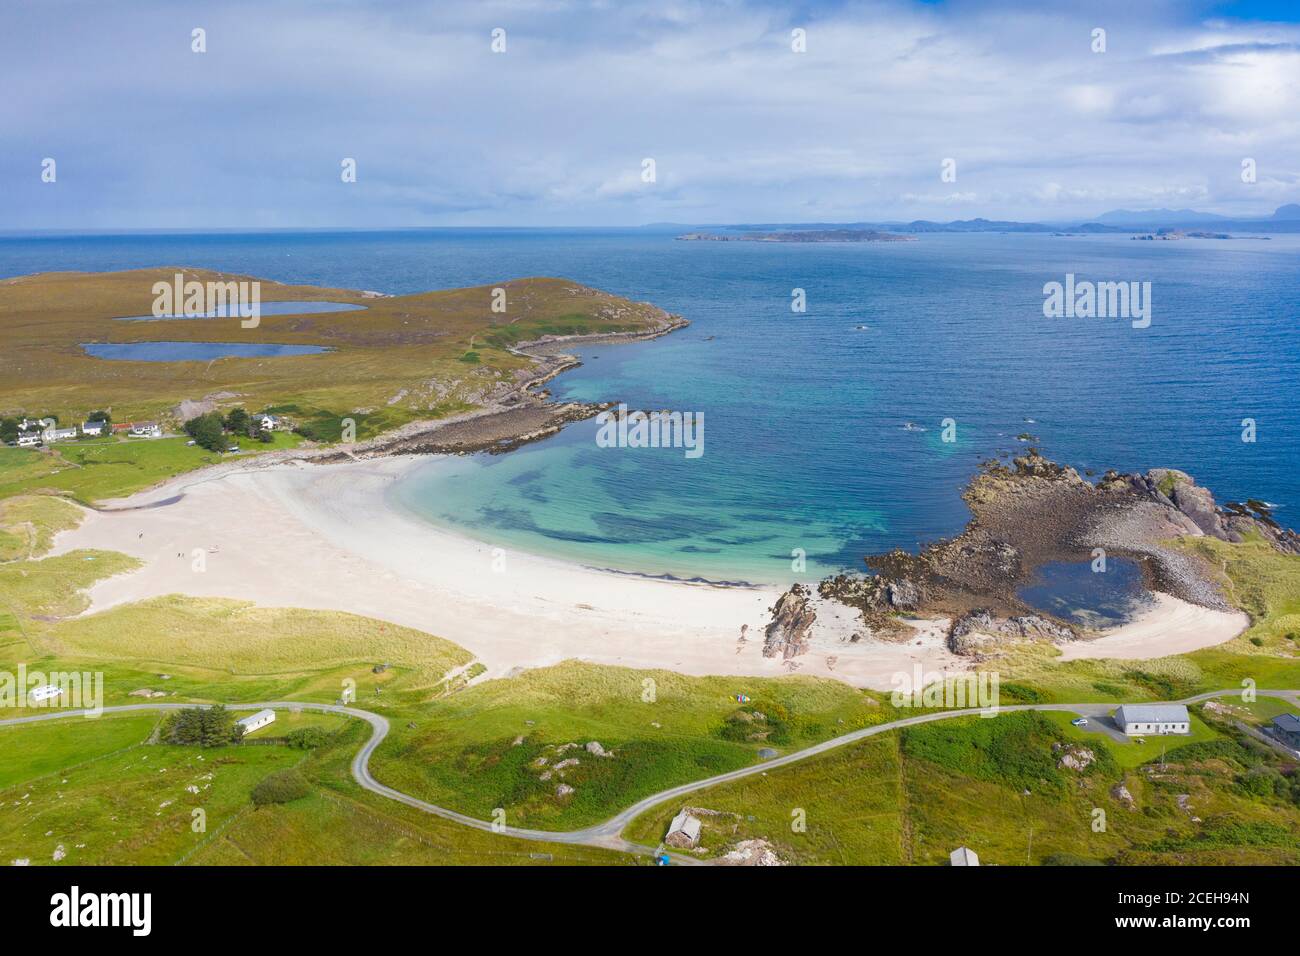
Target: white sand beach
[291,534]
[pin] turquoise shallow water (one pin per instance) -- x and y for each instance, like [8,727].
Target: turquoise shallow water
[806,444]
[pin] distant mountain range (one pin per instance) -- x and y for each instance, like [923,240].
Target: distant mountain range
[1284,219]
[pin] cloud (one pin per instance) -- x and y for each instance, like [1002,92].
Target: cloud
[553,131]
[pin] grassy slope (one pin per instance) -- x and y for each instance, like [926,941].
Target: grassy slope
[478,749]
[100,469]
[914,796]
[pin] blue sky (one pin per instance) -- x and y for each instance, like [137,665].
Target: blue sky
[554,130]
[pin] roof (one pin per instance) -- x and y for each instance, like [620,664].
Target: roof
[1288,722]
[1151,714]
[685,823]
[144,424]
[963,856]
[254,718]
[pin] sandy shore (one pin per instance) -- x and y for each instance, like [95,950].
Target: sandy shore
[292,534]
[1169,626]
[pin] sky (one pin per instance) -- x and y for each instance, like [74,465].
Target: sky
[555,126]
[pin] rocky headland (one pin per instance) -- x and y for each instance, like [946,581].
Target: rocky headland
[1033,512]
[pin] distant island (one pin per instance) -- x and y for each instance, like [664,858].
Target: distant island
[1190,223]
[811,235]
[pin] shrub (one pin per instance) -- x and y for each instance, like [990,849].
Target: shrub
[306,738]
[1070,859]
[282,786]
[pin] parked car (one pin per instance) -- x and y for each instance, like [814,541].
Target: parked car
[1080,721]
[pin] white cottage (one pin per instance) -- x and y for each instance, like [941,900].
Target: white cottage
[257,721]
[1139,719]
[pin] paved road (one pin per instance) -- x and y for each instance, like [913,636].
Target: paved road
[609,833]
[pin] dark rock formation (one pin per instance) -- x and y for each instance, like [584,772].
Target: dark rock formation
[792,621]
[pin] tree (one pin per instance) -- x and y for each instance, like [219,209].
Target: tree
[100,416]
[206,431]
[203,726]
[238,422]
[8,429]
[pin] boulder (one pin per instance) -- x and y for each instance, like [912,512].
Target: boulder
[792,620]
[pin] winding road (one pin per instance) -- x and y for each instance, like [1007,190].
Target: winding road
[608,835]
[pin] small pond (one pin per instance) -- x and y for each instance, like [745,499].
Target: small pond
[266,308]
[1073,591]
[193,351]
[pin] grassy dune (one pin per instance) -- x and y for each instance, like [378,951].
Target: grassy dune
[237,641]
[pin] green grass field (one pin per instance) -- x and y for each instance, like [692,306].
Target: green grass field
[88,792]
[102,469]
[496,744]
[998,787]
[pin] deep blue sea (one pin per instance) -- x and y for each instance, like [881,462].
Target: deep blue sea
[806,414]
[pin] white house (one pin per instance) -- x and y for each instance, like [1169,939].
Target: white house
[1138,719]
[60,434]
[268,423]
[145,430]
[28,439]
[257,721]
[45,692]
[963,856]
[93,428]
[684,831]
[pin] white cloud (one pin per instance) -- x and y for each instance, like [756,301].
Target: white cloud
[553,131]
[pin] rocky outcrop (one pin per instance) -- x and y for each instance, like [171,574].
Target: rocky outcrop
[751,853]
[973,633]
[792,620]
[1074,758]
[1121,793]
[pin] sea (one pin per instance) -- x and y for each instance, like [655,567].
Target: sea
[840,429]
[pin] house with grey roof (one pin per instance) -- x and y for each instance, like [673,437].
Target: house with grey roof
[1286,728]
[1137,720]
[684,831]
[257,721]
